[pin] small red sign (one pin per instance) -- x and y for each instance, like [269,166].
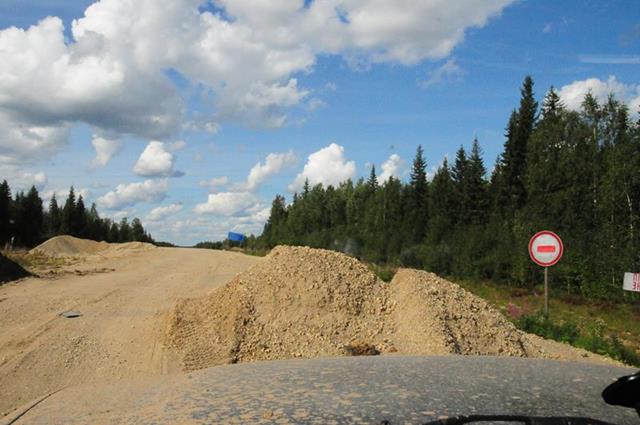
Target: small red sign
[545,248]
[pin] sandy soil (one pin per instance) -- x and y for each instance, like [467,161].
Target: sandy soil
[124,299]
[303,302]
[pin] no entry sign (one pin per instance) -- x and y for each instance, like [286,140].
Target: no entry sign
[545,248]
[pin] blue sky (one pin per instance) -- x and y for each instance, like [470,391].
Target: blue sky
[371,87]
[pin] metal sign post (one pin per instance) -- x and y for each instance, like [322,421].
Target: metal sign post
[545,249]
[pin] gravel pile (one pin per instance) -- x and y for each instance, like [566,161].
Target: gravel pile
[303,302]
[70,246]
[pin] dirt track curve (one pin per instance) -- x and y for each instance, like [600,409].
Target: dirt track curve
[124,301]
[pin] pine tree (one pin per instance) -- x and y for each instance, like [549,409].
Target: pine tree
[124,230]
[5,213]
[476,186]
[372,182]
[80,219]
[417,202]
[32,218]
[67,225]
[521,125]
[137,231]
[459,174]
[54,216]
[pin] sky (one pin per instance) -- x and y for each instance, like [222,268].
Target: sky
[193,115]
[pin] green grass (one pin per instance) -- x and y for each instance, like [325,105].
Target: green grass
[37,260]
[608,328]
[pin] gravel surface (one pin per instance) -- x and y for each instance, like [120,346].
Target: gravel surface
[356,390]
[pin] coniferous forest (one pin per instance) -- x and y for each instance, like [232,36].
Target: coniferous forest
[24,222]
[576,173]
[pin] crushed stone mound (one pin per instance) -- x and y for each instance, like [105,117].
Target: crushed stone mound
[67,246]
[10,270]
[303,302]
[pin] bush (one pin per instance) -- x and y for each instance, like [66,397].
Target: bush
[593,338]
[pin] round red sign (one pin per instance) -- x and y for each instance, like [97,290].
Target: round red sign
[545,248]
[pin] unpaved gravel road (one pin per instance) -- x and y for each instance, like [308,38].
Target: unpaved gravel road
[124,303]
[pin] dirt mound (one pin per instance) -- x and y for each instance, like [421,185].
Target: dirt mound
[297,302]
[302,302]
[9,270]
[69,246]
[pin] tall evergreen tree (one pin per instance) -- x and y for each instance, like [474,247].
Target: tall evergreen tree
[5,213]
[417,206]
[80,219]
[67,226]
[55,216]
[521,125]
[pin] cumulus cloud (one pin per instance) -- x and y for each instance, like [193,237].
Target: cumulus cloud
[328,166]
[215,183]
[126,195]
[273,164]
[573,94]
[449,71]
[160,213]
[394,166]
[105,150]
[111,72]
[155,161]
[19,179]
[227,203]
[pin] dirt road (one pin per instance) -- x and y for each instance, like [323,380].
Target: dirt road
[124,302]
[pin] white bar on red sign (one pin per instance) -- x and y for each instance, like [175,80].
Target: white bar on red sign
[631,282]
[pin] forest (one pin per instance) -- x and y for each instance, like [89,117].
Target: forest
[573,172]
[24,223]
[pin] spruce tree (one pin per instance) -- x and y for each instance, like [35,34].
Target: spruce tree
[54,216]
[67,225]
[476,186]
[418,208]
[5,213]
[80,219]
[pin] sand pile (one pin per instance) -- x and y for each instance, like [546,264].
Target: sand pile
[302,302]
[69,246]
[10,270]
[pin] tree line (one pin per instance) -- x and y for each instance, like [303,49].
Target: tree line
[24,222]
[574,172]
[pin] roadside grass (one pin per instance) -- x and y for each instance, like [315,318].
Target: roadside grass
[607,328]
[37,260]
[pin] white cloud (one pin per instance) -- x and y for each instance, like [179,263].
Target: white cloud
[215,183]
[449,71]
[573,94]
[105,150]
[177,145]
[23,142]
[394,166]
[130,194]
[63,193]
[227,203]
[328,166]
[160,213]
[155,161]
[111,72]
[273,164]
[22,180]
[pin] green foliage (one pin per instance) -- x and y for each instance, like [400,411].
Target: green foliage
[591,337]
[384,273]
[573,173]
